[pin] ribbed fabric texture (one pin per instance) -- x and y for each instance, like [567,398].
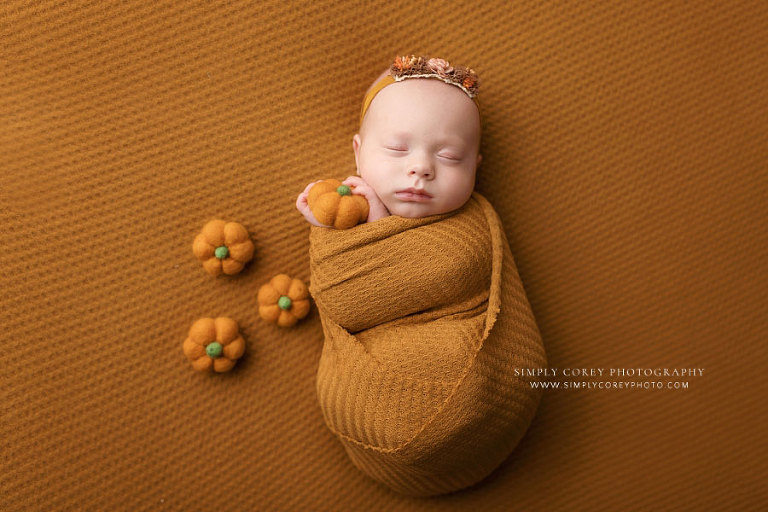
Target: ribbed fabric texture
[624,149]
[425,322]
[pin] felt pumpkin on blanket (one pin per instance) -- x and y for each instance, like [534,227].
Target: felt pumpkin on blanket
[283,300]
[223,247]
[333,204]
[214,344]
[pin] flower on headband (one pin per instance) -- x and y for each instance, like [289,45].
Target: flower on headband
[440,66]
[424,66]
[404,62]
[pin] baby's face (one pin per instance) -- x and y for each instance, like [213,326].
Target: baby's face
[422,134]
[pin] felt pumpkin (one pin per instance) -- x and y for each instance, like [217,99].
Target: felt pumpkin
[283,300]
[223,247]
[333,204]
[214,344]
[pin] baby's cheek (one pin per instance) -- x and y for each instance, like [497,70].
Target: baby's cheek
[387,200]
[381,194]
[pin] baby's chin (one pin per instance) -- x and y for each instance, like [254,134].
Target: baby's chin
[414,210]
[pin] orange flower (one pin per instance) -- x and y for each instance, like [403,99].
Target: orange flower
[283,300]
[214,344]
[223,247]
[404,62]
[469,81]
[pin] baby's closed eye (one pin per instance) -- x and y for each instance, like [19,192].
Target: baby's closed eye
[404,149]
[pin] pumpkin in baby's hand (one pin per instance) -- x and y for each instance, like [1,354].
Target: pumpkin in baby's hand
[333,204]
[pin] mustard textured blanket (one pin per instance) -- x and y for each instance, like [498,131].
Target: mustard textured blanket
[427,330]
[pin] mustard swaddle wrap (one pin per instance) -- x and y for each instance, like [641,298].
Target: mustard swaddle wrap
[425,321]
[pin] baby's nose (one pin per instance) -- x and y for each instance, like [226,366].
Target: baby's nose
[423,170]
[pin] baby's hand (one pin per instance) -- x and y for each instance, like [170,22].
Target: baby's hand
[376,209]
[303,207]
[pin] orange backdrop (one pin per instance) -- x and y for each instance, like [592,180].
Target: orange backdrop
[624,148]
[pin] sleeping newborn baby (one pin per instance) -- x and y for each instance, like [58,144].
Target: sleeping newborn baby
[417,151]
[428,331]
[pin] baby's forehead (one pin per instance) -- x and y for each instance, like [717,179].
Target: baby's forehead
[436,101]
[427,102]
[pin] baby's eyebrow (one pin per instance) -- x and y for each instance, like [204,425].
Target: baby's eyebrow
[445,140]
[457,139]
[450,141]
[456,144]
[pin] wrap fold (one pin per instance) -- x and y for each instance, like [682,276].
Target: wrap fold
[425,323]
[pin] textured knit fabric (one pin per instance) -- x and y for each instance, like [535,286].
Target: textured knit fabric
[425,322]
[624,148]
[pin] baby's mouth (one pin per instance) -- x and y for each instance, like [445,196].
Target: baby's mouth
[413,194]
[405,195]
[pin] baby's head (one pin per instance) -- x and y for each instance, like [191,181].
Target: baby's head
[420,133]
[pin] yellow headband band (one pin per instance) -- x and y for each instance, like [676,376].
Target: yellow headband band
[387,80]
[423,67]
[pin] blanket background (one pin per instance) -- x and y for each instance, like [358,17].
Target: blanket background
[624,148]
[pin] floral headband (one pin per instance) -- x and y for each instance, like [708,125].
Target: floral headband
[412,66]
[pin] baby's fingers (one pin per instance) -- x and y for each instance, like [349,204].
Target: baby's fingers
[354,180]
[361,188]
[301,201]
[306,190]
